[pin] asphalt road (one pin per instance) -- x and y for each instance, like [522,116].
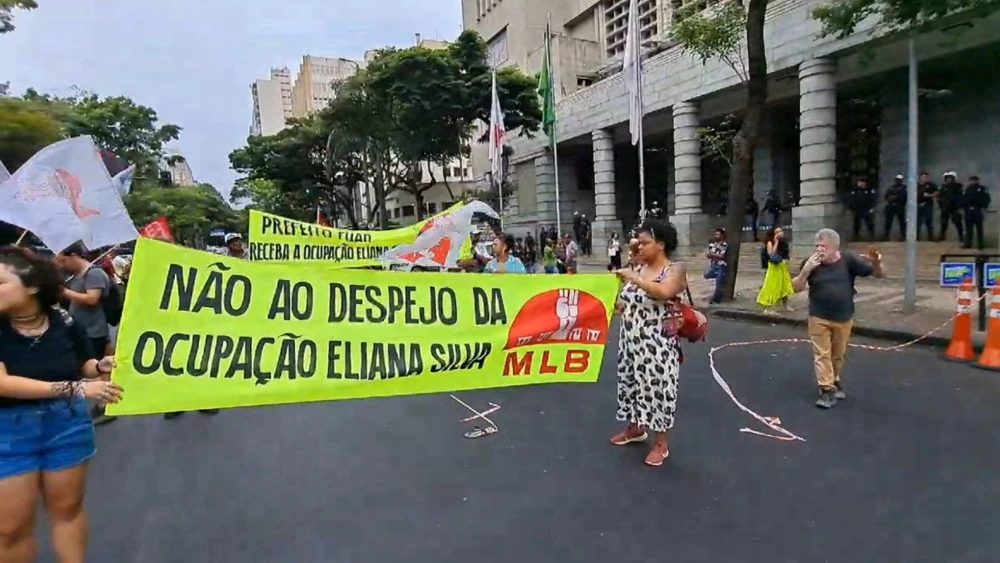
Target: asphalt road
[906,470]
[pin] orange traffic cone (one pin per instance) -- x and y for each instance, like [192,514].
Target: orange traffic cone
[990,358]
[960,349]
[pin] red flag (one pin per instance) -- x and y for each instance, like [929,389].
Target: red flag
[159,230]
[321,218]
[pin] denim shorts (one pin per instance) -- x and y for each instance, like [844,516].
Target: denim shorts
[46,436]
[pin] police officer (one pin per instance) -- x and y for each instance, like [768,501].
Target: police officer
[773,207]
[895,207]
[976,198]
[927,192]
[950,205]
[861,202]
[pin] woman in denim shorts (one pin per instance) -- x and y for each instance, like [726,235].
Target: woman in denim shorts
[47,373]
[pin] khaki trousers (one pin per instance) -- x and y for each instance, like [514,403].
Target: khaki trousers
[829,343]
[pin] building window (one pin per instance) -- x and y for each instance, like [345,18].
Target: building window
[408,211]
[616,24]
[432,208]
[582,82]
[446,172]
[496,49]
[456,172]
[395,213]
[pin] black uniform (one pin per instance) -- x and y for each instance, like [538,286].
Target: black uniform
[773,207]
[925,208]
[950,205]
[895,207]
[861,202]
[975,199]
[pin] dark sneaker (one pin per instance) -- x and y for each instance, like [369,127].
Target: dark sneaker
[839,393]
[827,400]
[210,412]
[171,415]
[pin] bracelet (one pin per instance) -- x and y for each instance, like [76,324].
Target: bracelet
[78,390]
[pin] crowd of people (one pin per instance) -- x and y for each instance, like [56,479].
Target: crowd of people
[57,340]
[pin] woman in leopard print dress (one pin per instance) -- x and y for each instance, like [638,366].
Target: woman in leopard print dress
[649,352]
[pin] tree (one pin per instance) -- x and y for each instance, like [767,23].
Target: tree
[842,17]
[6,15]
[25,128]
[117,123]
[295,162]
[193,211]
[415,107]
[720,33]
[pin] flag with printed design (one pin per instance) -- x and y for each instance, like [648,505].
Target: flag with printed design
[123,181]
[632,72]
[497,134]
[440,245]
[64,194]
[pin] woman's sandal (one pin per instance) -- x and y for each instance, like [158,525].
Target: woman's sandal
[657,456]
[623,438]
[478,432]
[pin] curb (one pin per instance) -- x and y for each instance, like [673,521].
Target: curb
[897,336]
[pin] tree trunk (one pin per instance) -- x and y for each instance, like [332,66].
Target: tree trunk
[383,217]
[418,200]
[745,141]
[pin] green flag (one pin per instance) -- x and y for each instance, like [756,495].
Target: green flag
[547,91]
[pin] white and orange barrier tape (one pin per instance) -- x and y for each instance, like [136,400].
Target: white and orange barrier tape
[774,423]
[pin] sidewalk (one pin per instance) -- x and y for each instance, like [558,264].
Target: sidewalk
[878,306]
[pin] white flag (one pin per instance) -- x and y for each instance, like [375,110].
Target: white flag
[440,245]
[497,133]
[3,173]
[632,72]
[123,181]
[64,194]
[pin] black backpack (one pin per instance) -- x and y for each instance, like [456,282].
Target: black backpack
[113,302]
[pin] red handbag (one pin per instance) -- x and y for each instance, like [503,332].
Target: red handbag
[687,322]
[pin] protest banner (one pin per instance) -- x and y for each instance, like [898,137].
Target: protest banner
[274,238]
[201,331]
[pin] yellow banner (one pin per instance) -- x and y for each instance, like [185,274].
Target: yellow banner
[202,331]
[274,238]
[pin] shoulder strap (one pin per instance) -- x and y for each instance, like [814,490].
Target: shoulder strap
[81,346]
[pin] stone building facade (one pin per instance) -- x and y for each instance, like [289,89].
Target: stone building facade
[837,109]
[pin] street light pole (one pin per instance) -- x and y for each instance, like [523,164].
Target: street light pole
[910,294]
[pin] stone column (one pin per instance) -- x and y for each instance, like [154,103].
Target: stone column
[693,225]
[818,204]
[545,190]
[605,211]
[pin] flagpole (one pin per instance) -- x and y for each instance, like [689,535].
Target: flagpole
[642,153]
[20,239]
[555,124]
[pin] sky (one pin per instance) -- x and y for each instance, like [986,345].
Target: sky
[193,60]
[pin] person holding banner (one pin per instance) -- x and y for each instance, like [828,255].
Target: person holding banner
[504,262]
[649,351]
[48,372]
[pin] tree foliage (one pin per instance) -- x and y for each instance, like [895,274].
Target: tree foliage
[118,124]
[842,17]
[193,211]
[6,12]
[25,128]
[409,108]
[715,33]
[733,34]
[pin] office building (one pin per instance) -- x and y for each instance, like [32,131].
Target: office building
[272,102]
[315,84]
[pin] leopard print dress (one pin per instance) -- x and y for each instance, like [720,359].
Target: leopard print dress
[649,361]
